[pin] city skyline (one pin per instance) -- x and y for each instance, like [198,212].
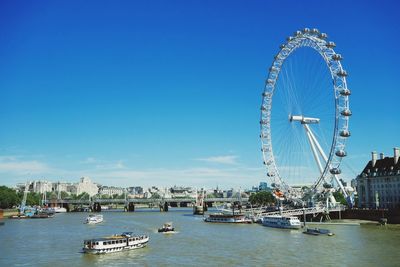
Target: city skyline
[169,92]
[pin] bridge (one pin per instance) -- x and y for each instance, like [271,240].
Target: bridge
[154,201]
[257,214]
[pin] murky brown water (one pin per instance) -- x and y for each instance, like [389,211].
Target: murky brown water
[58,242]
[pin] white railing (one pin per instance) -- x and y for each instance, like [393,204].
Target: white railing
[260,213]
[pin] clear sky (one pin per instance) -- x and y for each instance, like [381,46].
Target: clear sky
[169,92]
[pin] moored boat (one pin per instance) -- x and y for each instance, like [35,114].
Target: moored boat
[19,216]
[59,209]
[115,243]
[279,221]
[94,218]
[317,231]
[227,218]
[42,215]
[166,228]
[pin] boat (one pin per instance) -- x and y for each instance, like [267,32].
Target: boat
[94,218]
[166,228]
[115,243]
[317,231]
[24,212]
[279,221]
[227,218]
[19,216]
[59,209]
[42,215]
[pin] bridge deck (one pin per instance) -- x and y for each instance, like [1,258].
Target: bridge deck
[141,200]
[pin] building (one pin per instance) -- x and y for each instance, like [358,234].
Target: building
[263,187]
[182,192]
[378,185]
[41,186]
[85,185]
[111,191]
[135,190]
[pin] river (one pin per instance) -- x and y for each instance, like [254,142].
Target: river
[58,241]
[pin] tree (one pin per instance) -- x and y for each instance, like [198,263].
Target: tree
[64,195]
[340,197]
[262,198]
[155,196]
[33,199]
[8,197]
[82,196]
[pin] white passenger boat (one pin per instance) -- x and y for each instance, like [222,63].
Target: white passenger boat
[115,243]
[279,221]
[59,209]
[94,218]
[227,218]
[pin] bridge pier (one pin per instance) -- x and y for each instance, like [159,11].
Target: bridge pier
[198,210]
[96,207]
[130,207]
[164,207]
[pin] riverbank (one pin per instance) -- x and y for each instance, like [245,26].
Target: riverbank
[392,215]
[9,212]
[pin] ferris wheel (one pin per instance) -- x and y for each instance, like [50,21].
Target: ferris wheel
[305,114]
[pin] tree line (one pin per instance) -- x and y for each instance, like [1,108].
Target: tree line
[10,198]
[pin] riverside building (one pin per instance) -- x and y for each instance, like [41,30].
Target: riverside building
[378,185]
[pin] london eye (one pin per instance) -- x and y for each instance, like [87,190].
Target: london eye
[305,115]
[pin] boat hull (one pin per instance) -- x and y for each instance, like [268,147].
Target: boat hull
[317,231]
[113,250]
[281,222]
[227,218]
[282,226]
[94,219]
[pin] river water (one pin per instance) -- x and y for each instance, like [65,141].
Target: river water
[58,241]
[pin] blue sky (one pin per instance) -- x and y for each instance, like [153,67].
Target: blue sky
[169,92]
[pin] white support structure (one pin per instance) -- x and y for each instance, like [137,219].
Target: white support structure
[316,157]
[316,146]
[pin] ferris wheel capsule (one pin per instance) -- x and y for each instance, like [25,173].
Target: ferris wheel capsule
[335,171]
[315,31]
[330,44]
[346,112]
[345,92]
[342,73]
[337,57]
[270,81]
[341,153]
[323,35]
[306,30]
[344,133]
[290,38]
[266,94]
[273,68]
